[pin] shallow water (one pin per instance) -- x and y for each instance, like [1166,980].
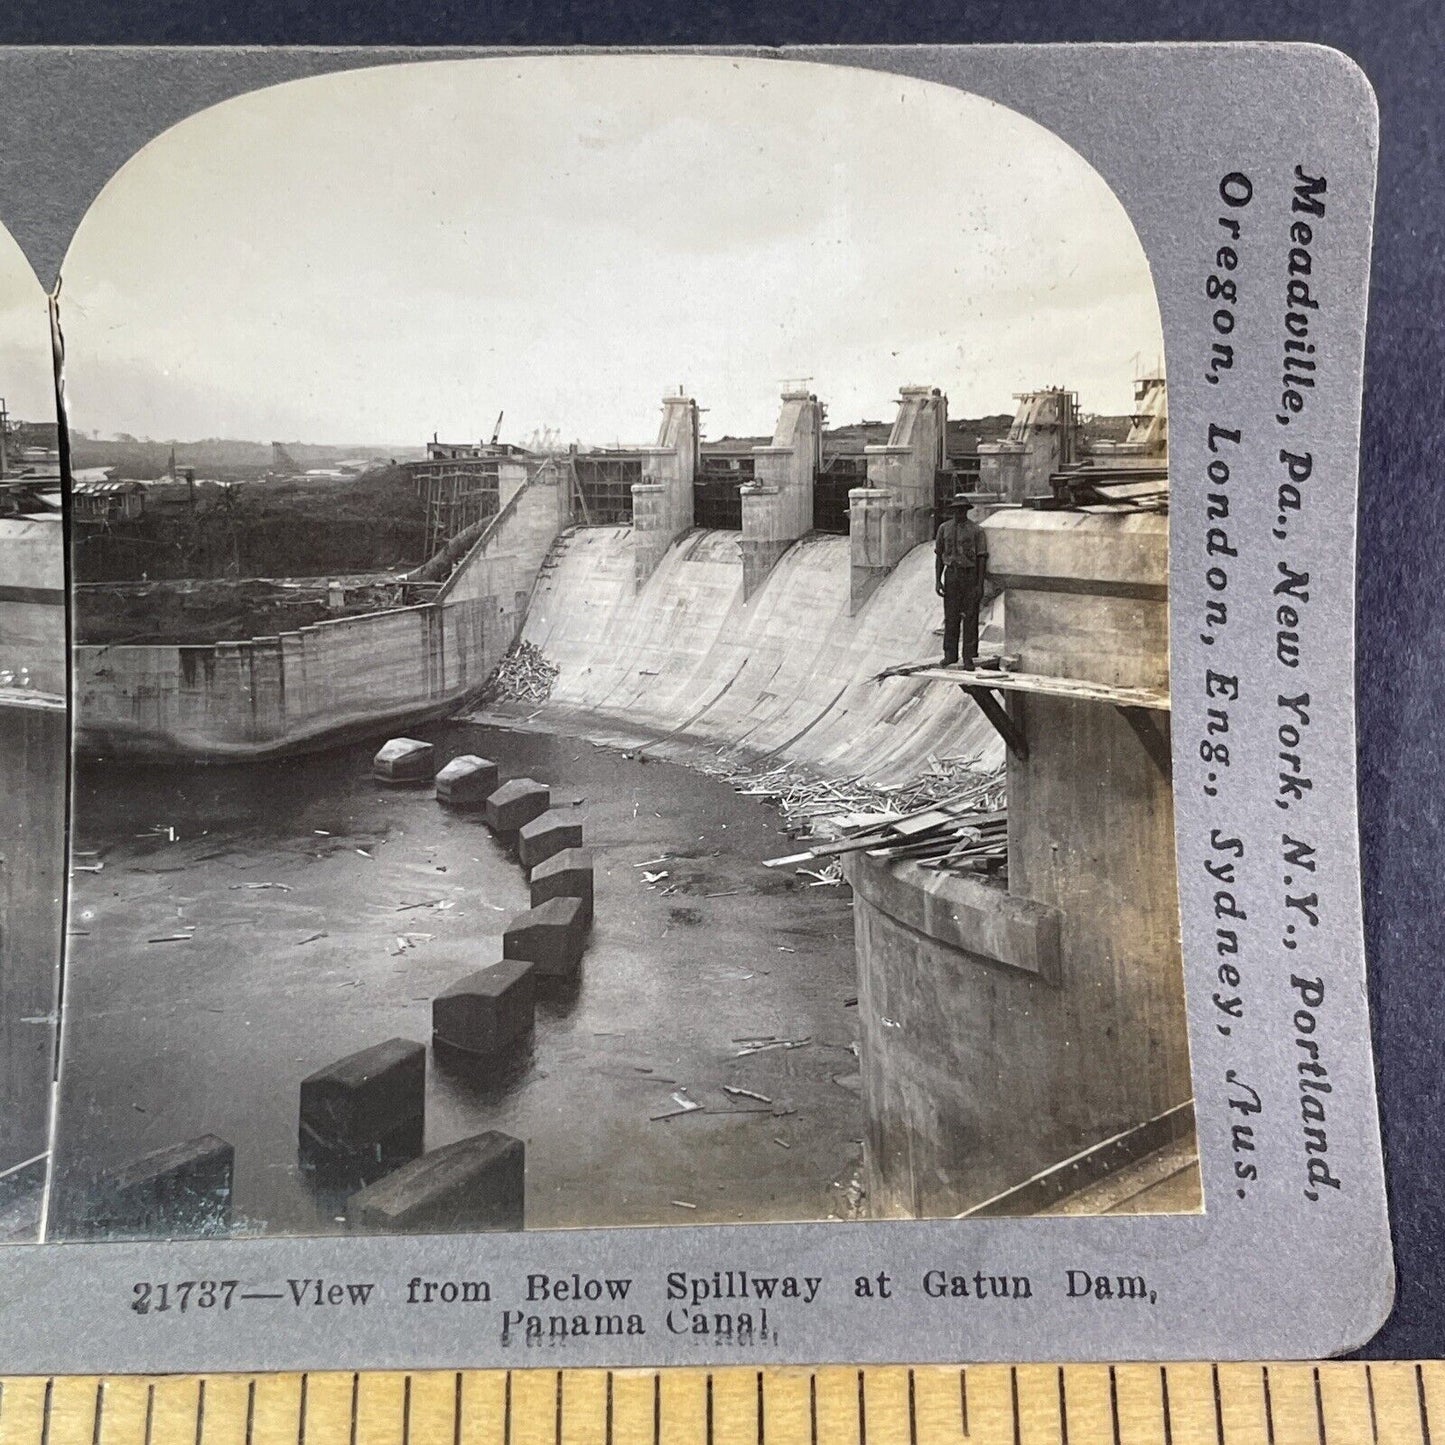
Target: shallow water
[381,899]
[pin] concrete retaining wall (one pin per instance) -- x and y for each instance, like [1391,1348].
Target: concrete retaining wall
[33,745]
[32,603]
[1005,1029]
[263,696]
[691,666]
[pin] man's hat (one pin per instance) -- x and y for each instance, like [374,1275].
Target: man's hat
[961,499]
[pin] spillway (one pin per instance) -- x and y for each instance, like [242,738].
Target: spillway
[687,668]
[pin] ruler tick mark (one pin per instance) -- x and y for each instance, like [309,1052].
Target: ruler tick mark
[709,1408]
[1424,1409]
[301,1411]
[457,1411]
[912,1412]
[1268,1405]
[1013,1387]
[45,1416]
[1168,1414]
[1370,1396]
[1319,1408]
[151,1413]
[558,1419]
[963,1398]
[862,1412]
[405,1411]
[1218,1407]
[251,1410]
[1063,1410]
[1114,1402]
[813,1407]
[99,1412]
[355,1407]
[760,1407]
[200,1411]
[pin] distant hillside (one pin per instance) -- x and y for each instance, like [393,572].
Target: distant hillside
[221,457]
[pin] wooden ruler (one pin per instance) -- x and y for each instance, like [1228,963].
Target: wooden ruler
[1395,1403]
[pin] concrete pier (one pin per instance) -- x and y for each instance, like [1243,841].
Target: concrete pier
[404,760]
[368,1103]
[894,512]
[474,1184]
[467,782]
[487,1014]
[551,936]
[515,804]
[180,1192]
[568,874]
[778,504]
[662,503]
[548,834]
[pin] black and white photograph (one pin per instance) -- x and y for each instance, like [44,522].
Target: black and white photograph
[34,741]
[621,663]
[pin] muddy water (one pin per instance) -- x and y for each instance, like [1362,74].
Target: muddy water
[308,912]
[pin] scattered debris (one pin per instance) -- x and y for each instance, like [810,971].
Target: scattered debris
[738,1093]
[171,938]
[767,1042]
[238,887]
[523,675]
[684,1104]
[682,1204]
[312,939]
[781,1143]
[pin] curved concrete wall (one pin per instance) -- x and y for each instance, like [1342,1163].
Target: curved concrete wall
[263,696]
[784,674]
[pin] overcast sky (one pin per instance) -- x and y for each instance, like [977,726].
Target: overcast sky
[375,256]
[25,367]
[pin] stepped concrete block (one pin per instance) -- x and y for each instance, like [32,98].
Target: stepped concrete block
[181,1191]
[404,760]
[551,936]
[515,804]
[367,1102]
[550,833]
[467,782]
[474,1184]
[488,1012]
[565,875]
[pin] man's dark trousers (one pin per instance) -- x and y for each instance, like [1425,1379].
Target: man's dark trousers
[961,598]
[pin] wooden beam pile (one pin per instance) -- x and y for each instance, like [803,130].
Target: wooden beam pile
[958,837]
[524,674]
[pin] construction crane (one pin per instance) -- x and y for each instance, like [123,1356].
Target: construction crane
[497,430]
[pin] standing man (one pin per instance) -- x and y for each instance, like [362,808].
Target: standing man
[960,559]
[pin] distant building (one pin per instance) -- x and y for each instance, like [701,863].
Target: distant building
[104,503]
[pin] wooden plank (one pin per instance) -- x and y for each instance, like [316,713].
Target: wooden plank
[1155,744]
[1003,724]
[1033,682]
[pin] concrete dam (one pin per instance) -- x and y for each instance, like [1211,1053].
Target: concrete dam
[1021,1040]
[689,667]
